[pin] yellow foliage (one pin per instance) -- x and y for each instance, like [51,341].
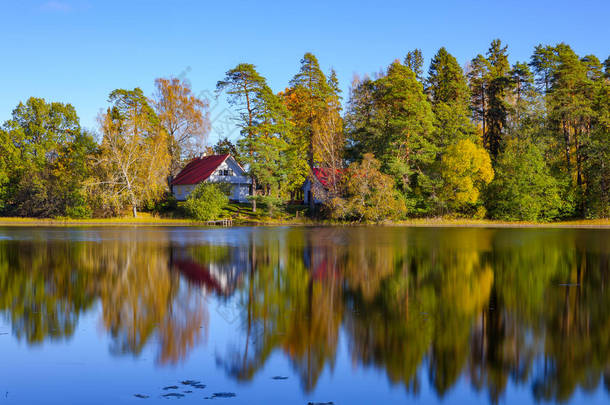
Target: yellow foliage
[465,169]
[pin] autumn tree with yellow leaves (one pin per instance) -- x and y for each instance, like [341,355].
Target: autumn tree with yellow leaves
[133,161]
[184,117]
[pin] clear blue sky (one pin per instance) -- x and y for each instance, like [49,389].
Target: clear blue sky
[77,51]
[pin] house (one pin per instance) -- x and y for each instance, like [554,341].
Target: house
[213,169]
[318,188]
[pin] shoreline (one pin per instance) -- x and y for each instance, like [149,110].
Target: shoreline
[422,223]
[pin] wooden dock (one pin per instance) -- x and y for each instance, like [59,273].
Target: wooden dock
[221,222]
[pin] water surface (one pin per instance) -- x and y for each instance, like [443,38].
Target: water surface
[295,315]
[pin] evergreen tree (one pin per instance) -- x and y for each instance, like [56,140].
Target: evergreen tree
[543,61]
[596,151]
[522,99]
[478,81]
[264,123]
[569,104]
[313,101]
[392,118]
[245,87]
[415,61]
[450,97]
[595,69]
[224,146]
[499,83]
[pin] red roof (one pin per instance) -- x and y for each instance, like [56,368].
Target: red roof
[323,175]
[199,169]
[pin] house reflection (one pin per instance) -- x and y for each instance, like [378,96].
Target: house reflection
[217,270]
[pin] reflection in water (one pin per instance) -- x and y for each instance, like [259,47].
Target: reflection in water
[527,307]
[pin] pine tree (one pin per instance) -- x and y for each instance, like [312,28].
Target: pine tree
[478,81]
[544,62]
[569,106]
[415,61]
[246,88]
[499,83]
[449,94]
[522,99]
[315,108]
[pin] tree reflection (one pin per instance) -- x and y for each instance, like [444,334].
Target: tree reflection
[499,307]
[41,292]
[46,286]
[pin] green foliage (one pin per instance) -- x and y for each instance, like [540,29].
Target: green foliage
[206,202]
[265,127]
[523,189]
[596,168]
[426,132]
[224,146]
[415,61]
[391,118]
[44,160]
[450,97]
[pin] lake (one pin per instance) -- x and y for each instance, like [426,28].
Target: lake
[107,315]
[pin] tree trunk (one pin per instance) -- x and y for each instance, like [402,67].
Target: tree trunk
[566,137]
[253,194]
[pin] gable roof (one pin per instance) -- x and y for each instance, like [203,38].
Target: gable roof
[323,175]
[199,169]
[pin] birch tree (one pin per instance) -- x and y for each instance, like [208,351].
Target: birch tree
[134,159]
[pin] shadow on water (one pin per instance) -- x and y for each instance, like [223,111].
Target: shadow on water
[497,306]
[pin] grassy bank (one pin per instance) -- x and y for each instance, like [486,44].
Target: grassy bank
[242,214]
[246,217]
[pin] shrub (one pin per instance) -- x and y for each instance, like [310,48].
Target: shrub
[206,202]
[370,195]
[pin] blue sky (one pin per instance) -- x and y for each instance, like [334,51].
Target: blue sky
[77,51]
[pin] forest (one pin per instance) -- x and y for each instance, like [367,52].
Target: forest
[527,141]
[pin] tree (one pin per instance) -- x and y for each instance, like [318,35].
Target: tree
[523,188]
[43,163]
[134,159]
[268,159]
[392,118]
[244,86]
[450,97]
[265,127]
[499,84]
[314,108]
[466,170]
[369,194]
[329,142]
[224,146]
[206,202]
[596,168]
[415,61]
[543,61]
[569,105]
[522,98]
[478,80]
[184,117]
